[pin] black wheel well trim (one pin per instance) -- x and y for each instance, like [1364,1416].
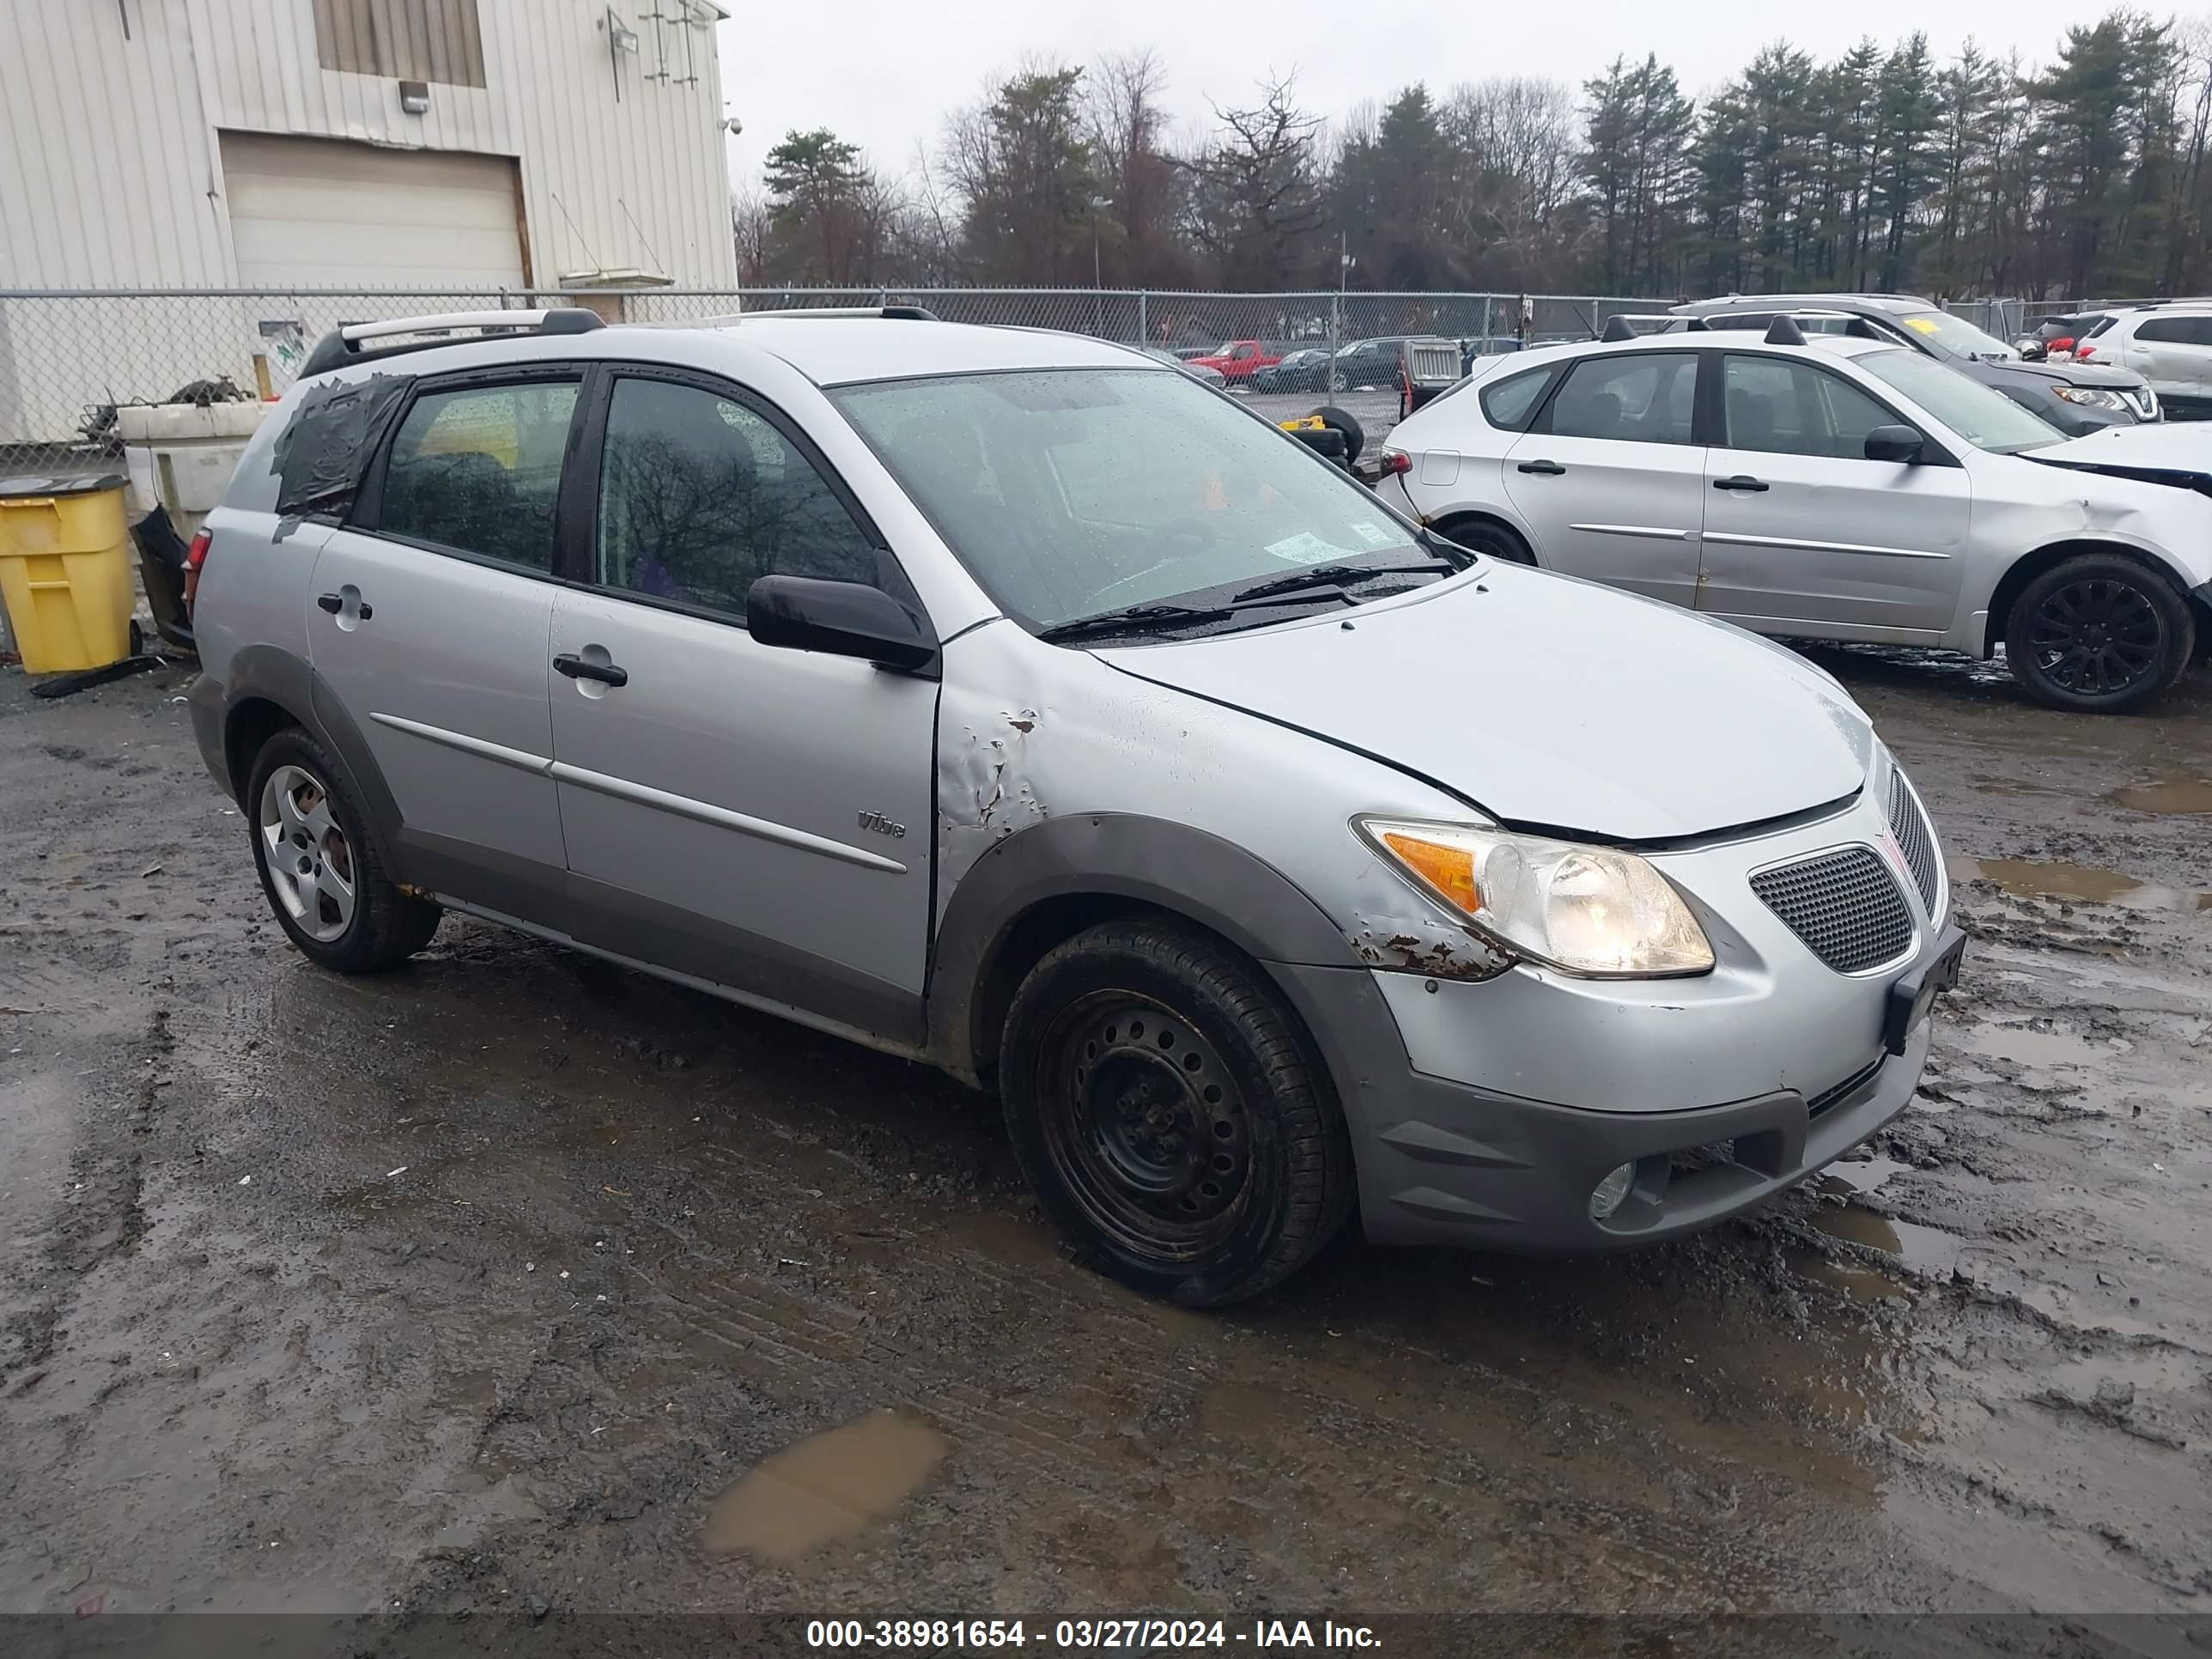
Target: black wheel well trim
[2032,564]
[267,689]
[1479,515]
[1039,888]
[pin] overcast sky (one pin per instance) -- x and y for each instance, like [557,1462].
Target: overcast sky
[883,74]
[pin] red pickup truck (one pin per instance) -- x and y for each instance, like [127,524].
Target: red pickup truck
[1240,360]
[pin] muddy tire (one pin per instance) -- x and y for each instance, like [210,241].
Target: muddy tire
[318,868]
[1170,1115]
[2099,634]
[1486,536]
[1342,420]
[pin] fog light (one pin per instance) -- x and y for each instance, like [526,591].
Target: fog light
[1606,1197]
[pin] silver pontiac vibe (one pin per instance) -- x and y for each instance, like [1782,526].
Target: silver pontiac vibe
[1010,701]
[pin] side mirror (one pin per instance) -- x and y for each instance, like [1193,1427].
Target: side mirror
[845,619]
[1900,443]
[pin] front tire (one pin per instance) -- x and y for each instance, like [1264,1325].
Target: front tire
[1486,536]
[1166,1110]
[2099,634]
[319,868]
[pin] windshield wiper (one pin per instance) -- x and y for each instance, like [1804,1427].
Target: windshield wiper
[1131,619]
[1333,575]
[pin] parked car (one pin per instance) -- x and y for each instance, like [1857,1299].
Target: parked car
[998,698]
[2169,345]
[1303,370]
[1827,487]
[1368,365]
[2076,398]
[1237,362]
[1198,370]
[2053,338]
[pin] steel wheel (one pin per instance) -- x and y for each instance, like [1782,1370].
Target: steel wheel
[2096,636]
[1146,1125]
[311,863]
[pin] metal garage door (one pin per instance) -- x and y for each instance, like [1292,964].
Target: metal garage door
[338,214]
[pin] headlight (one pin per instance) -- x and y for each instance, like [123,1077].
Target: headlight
[1594,911]
[2093,396]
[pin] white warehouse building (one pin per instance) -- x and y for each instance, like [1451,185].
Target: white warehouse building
[448,147]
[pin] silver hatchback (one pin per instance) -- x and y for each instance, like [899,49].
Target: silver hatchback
[1003,699]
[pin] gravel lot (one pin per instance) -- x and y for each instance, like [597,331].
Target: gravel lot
[480,1286]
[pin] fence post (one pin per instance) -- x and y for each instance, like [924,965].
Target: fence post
[1486,325]
[1335,331]
[1144,319]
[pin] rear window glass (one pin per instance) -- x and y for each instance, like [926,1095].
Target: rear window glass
[1511,401]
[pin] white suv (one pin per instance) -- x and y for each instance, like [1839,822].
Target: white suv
[2169,345]
[1828,488]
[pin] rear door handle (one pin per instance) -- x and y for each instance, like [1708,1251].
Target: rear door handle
[577,669]
[1741,481]
[1546,469]
[333,604]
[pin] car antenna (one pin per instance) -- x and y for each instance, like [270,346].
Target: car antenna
[1617,328]
[1783,331]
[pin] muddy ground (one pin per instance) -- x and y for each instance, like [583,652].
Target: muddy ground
[482,1285]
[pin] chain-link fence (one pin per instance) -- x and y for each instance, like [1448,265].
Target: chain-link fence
[68,359]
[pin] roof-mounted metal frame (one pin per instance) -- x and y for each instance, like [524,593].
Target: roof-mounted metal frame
[353,343]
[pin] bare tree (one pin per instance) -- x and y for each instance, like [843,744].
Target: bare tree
[1257,201]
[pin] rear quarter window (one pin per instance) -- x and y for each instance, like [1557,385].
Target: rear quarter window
[1509,403]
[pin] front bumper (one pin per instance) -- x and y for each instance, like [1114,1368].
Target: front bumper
[1483,1113]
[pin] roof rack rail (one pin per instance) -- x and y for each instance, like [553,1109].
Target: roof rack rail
[347,345]
[906,313]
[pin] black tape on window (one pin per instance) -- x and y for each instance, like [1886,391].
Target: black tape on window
[322,453]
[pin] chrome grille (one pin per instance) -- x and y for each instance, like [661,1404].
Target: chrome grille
[1910,826]
[2143,401]
[1844,905]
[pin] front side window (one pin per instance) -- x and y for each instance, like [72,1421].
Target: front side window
[479,470]
[699,495]
[1988,420]
[1071,492]
[1642,397]
[1788,408]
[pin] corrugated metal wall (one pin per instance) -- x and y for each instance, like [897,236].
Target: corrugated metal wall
[110,173]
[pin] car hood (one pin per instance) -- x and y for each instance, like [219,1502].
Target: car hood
[2082,374]
[2178,453]
[1548,702]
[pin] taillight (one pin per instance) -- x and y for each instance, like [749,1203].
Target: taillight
[2083,352]
[195,559]
[1394,460]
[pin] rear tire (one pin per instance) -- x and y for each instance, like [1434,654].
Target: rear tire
[2099,634]
[1166,1110]
[319,865]
[1486,536]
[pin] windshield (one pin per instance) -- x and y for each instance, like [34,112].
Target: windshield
[1957,336]
[1071,492]
[1988,420]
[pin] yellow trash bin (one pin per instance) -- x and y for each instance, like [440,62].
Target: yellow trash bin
[65,570]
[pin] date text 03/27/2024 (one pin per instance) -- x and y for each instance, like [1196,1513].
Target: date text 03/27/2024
[1104,1634]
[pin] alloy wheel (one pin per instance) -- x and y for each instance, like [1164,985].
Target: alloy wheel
[311,862]
[2096,636]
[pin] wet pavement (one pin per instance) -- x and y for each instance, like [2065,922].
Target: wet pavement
[514,1280]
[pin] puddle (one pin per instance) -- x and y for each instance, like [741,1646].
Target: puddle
[824,1488]
[2180,796]
[1923,1250]
[1861,1175]
[2034,878]
[1860,1283]
[2026,1047]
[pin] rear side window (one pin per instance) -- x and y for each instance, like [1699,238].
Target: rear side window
[479,470]
[1510,403]
[2103,323]
[699,495]
[1644,397]
[2176,331]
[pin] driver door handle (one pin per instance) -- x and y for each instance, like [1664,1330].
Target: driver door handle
[333,604]
[577,669]
[1546,469]
[1741,481]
